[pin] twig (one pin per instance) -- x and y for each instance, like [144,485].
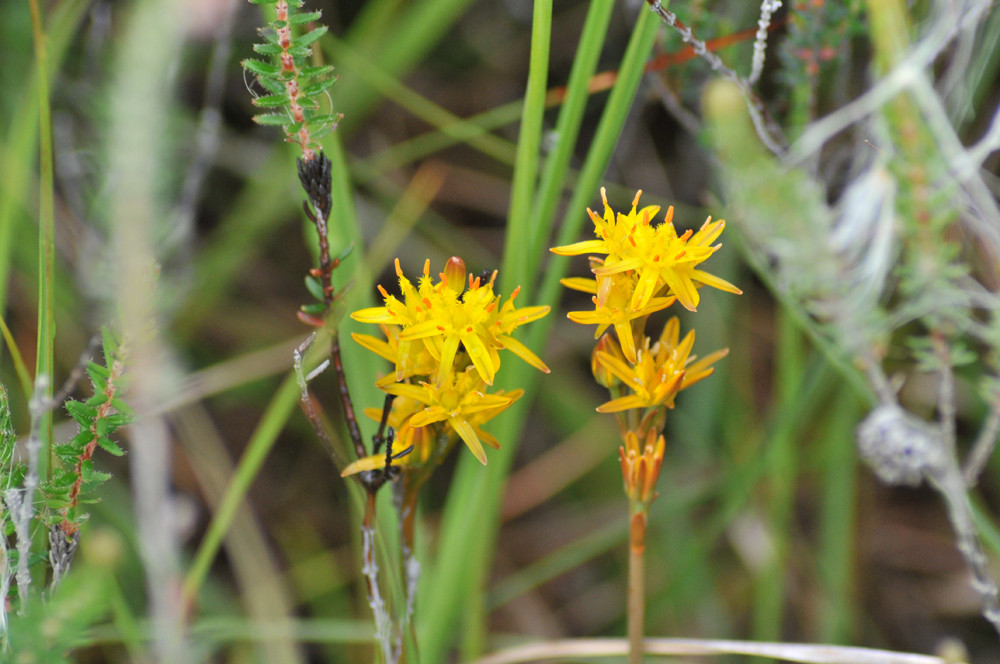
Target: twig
[369,568]
[767,8]
[767,129]
[804,653]
[984,445]
[20,502]
[891,84]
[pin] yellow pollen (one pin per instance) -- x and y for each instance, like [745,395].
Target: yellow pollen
[427,267]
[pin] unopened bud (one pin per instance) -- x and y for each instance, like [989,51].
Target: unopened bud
[602,374]
[454,274]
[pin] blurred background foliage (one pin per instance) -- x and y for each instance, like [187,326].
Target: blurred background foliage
[767,527]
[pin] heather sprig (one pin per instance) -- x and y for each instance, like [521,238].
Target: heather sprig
[56,497]
[295,88]
[98,418]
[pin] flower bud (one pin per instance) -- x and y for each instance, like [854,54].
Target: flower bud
[454,274]
[607,344]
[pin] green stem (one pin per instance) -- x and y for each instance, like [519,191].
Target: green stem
[636,580]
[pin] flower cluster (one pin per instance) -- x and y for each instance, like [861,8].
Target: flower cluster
[646,267]
[444,340]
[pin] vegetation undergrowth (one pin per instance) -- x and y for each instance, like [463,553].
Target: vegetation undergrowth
[419,464]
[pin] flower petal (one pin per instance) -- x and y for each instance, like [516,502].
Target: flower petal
[447,362]
[715,282]
[577,248]
[523,352]
[428,328]
[468,434]
[374,315]
[367,463]
[580,284]
[375,345]
[480,357]
[415,392]
[624,403]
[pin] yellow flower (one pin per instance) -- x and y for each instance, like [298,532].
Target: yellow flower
[461,403]
[615,309]
[661,261]
[418,362]
[421,438]
[660,372]
[641,466]
[440,318]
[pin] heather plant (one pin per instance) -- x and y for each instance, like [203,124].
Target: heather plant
[57,499]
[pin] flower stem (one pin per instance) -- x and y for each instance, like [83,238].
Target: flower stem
[636,581]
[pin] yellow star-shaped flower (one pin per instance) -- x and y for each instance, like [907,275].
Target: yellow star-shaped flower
[459,401]
[660,372]
[662,262]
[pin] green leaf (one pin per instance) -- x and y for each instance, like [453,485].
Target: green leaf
[116,420]
[92,476]
[314,309]
[81,412]
[316,88]
[68,453]
[110,446]
[62,480]
[109,344]
[263,2]
[272,85]
[311,36]
[321,131]
[267,49]
[271,101]
[123,408]
[98,399]
[261,68]
[314,287]
[312,72]
[304,17]
[102,426]
[57,502]
[271,120]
